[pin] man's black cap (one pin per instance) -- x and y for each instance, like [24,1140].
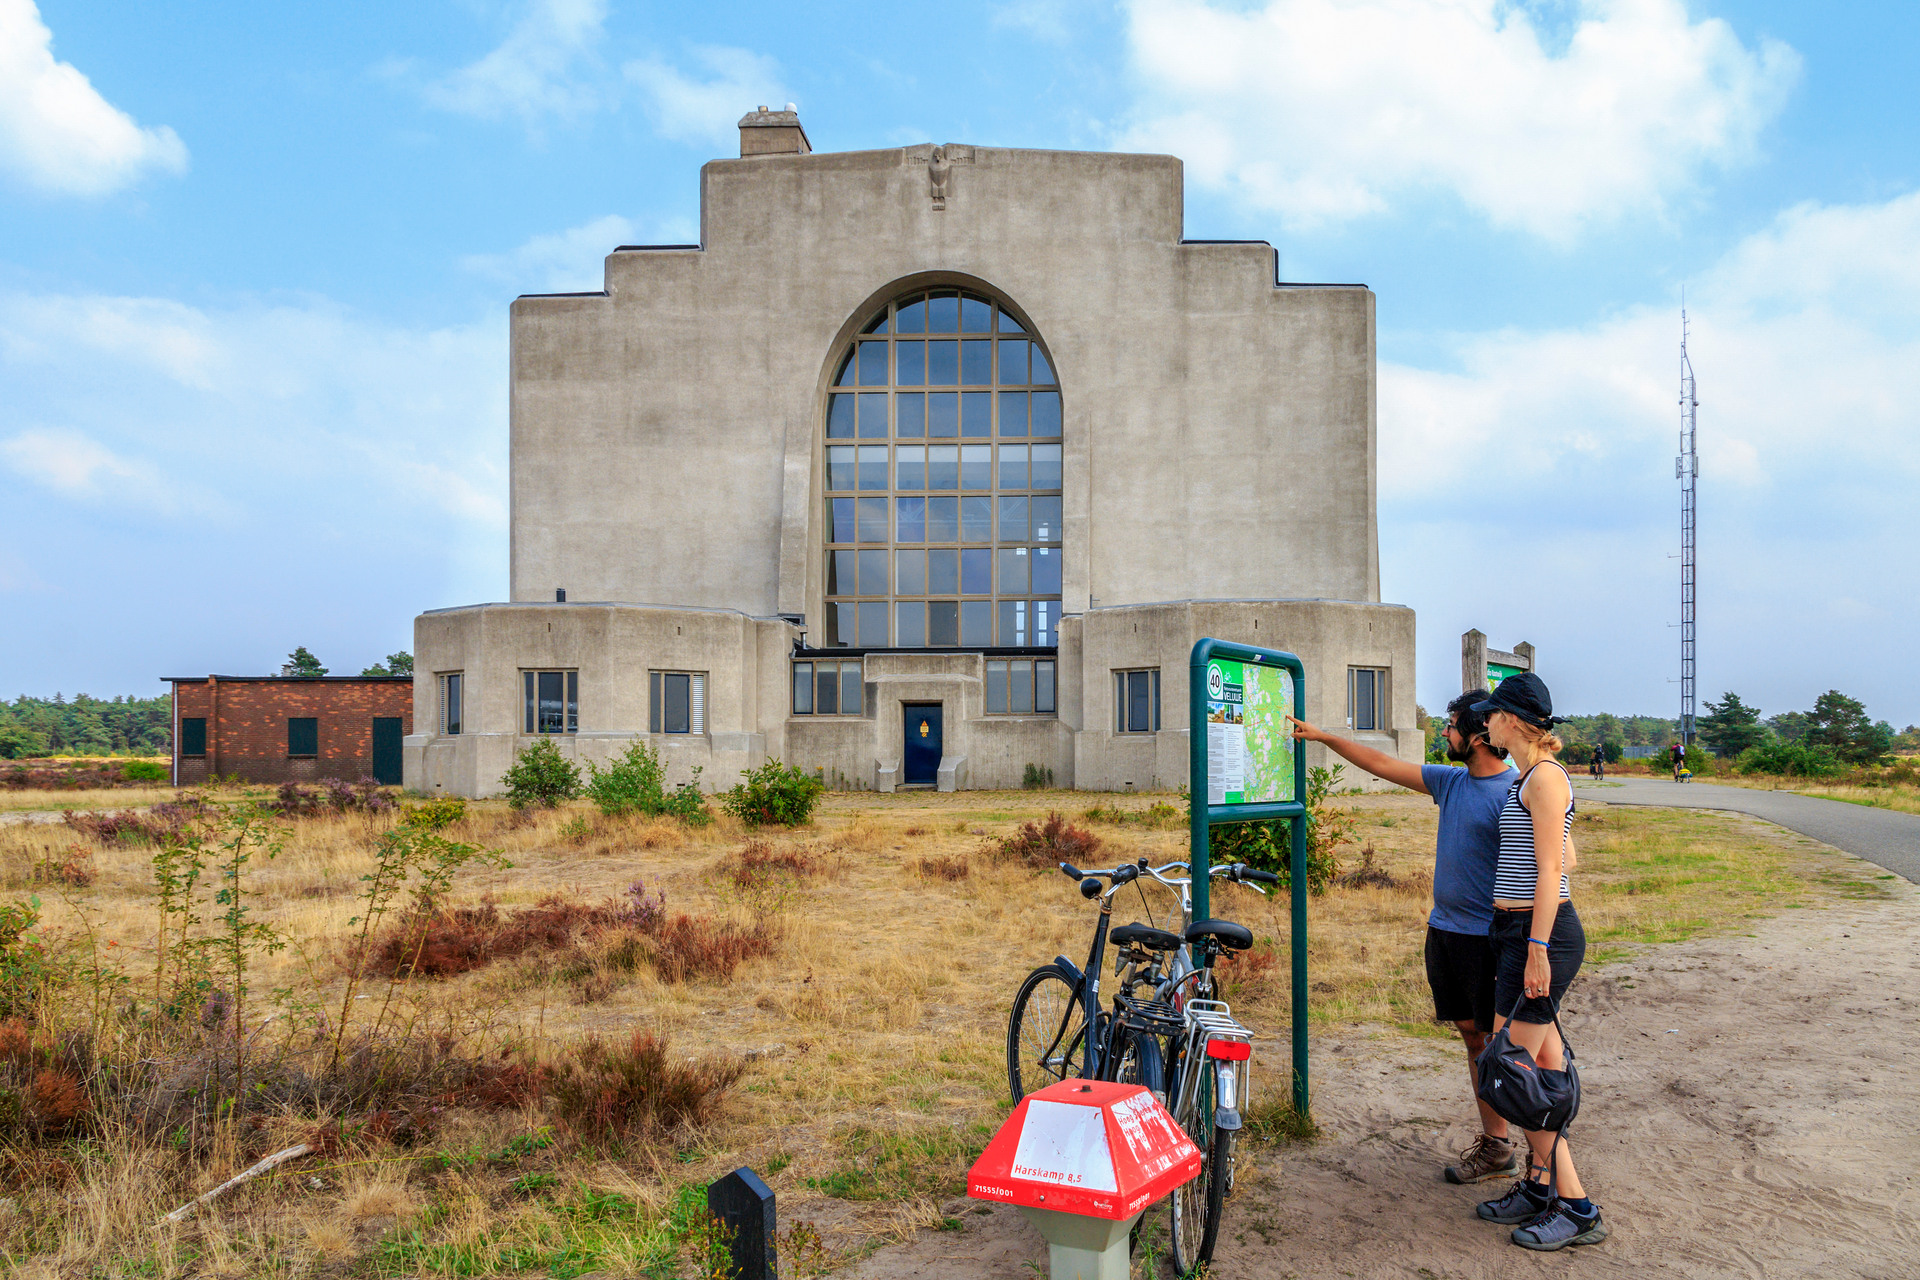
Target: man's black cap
[1525,696]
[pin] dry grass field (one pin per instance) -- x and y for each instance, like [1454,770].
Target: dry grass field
[873,956]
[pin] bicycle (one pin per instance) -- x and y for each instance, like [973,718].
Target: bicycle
[1179,1033]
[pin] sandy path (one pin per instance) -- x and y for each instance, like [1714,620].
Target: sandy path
[1749,1111]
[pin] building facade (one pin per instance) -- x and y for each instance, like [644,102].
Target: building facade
[927,466]
[290,728]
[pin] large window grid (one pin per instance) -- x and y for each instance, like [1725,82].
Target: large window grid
[942,472]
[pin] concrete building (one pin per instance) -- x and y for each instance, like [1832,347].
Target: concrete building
[925,466]
[290,728]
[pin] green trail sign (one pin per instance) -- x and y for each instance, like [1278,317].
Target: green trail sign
[1244,766]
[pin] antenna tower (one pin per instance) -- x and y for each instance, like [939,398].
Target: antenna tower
[1686,469]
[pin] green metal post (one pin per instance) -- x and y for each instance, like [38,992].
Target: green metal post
[1197,858]
[1299,931]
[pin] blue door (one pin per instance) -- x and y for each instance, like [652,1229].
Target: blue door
[922,763]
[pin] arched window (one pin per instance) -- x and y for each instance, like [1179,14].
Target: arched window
[943,481]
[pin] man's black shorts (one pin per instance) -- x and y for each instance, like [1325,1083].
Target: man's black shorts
[1460,969]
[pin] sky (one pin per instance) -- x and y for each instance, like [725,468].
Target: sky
[255,263]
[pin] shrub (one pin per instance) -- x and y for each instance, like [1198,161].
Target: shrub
[541,777]
[775,794]
[145,771]
[330,796]
[940,867]
[1789,759]
[435,815]
[1037,778]
[1048,844]
[636,783]
[161,824]
[635,1090]
[1267,844]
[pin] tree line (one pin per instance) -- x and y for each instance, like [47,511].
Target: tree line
[90,726]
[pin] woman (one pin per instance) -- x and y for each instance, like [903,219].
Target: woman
[1538,945]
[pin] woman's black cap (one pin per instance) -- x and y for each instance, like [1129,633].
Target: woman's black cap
[1525,696]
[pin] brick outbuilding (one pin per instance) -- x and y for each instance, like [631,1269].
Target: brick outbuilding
[290,728]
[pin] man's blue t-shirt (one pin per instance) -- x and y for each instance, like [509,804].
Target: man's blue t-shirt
[1468,847]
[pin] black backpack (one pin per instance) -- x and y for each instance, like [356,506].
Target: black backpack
[1525,1093]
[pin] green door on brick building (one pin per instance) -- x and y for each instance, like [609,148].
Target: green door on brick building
[386,750]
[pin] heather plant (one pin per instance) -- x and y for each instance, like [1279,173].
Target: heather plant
[332,795]
[775,794]
[541,777]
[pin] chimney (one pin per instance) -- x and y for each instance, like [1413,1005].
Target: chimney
[773,133]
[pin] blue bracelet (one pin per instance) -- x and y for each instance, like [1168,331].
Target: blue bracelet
[1536,942]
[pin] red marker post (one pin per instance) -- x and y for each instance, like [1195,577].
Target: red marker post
[1082,1160]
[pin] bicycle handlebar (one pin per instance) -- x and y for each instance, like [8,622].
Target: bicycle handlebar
[1127,873]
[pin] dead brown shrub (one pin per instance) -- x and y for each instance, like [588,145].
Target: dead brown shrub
[914,831]
[1237,970]
[941,867]
[1367,874]
[697,947]
[758,863]
[633,1091]
[1047,844]
[462,939]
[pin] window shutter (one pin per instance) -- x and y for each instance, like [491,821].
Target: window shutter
[698,704]
[653,702]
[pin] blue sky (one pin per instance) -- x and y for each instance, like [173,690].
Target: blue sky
[255,263]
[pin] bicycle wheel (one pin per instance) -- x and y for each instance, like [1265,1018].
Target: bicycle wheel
[1197,1204]
[1046,1033]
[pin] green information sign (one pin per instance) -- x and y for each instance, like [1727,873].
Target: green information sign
[1249,743]
[1498,671]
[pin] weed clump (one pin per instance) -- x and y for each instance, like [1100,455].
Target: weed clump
[1047,844]
[1158,816]
[1367,874]
[633,1090]
[435,815]
[161,824]
[331,796]
[941,867]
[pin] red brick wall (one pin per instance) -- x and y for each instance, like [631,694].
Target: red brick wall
[247,726]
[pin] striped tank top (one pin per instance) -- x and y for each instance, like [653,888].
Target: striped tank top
[1516,874]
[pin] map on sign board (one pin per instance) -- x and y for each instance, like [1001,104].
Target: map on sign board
[1065,1145]
[1249,742]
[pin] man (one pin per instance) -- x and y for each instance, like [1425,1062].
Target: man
[1678,754]
[1460,962]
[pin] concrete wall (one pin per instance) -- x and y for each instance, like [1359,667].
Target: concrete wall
[747,662]
[1219,430]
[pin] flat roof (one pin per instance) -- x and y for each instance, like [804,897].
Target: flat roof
[288,679]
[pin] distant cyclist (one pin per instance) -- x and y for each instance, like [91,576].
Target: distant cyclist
[1597,762]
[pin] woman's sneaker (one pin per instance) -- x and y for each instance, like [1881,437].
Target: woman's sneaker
[1525,1200]
[1488,1157]
[1559,1227]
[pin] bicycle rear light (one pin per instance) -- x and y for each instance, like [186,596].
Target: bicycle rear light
[1231,1050]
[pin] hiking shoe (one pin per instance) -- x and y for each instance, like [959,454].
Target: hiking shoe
[1525,1200]
[1488,1157]
[1559,1227]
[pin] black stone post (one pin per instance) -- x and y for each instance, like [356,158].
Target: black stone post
[744,1205]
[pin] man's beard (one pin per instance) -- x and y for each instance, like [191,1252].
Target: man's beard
[1459,755]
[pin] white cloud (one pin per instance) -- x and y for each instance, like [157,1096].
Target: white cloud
[574,260]
[1554,452]
[696,109]
[535,71]
[1326,110]
[71,463]
[57,134]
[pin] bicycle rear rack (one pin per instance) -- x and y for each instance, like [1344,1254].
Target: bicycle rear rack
[1154,1017]
[1213,1020]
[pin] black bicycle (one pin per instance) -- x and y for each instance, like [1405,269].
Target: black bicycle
[1175,1034]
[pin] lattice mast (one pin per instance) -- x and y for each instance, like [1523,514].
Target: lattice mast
[1686,469]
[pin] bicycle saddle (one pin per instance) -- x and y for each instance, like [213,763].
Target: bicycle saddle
[1140,935]
[1232,936]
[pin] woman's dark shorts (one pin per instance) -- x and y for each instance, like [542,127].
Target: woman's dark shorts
[1566,948]
[1460,972]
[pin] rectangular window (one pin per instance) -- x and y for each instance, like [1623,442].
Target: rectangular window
[910,467]
[909,519]
[976,466]
[193,735]
[1020,686]
[873,624]
[910,624]
[976,519]
[943,415]
[910,572]
[1136,698]
[873,466]
[1046,411]
[1366,698]
[1013,412]
[943,519]
[303,736]
[840,415]
[1013,473]
[873,573]
[1046,616]
[873,519]
[450,689]
[1046,465]
[976,623]
[943,623]
[943,571]
[943,466]
[552,701]
[1013,571]
[976,413]
[678,702]
[910,415]
[1046,569]
[1046,519]
[826,688]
